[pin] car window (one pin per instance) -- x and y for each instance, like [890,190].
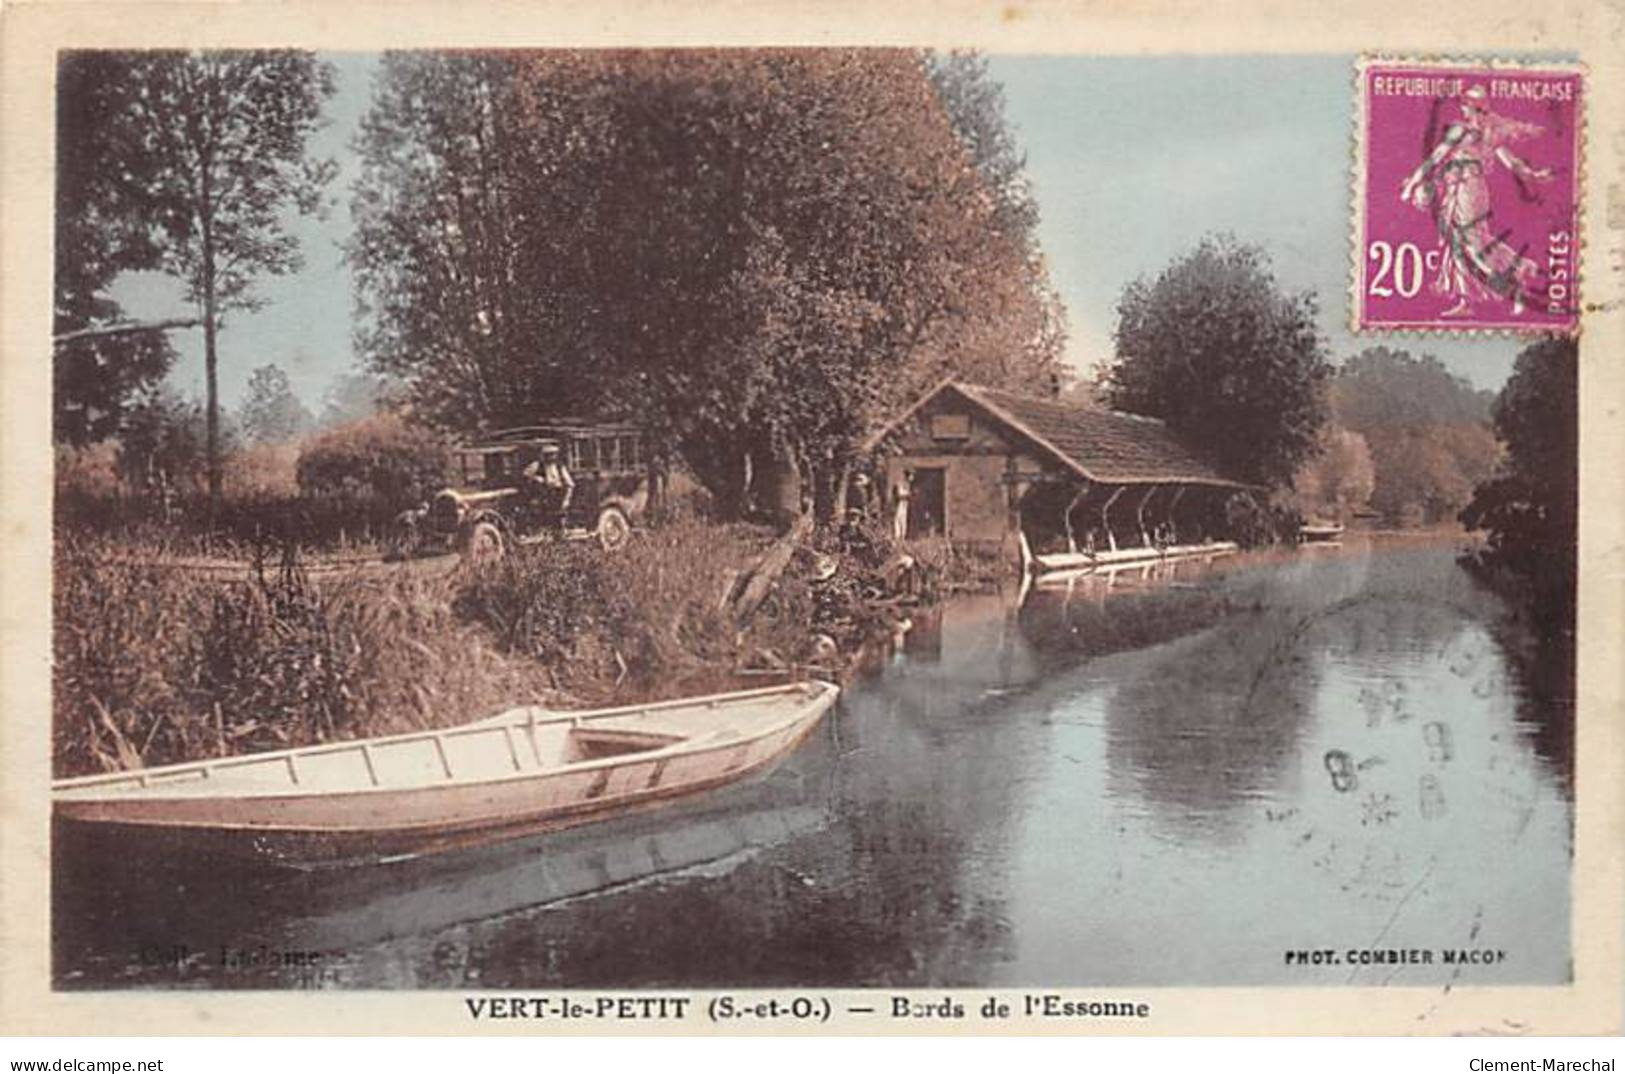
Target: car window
[629,451]
[586,452]
[497,466]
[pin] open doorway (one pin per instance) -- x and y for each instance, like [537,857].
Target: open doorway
[928,502]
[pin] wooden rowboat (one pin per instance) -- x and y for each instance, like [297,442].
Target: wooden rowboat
[1113,557]
[1320,532]
[526,770]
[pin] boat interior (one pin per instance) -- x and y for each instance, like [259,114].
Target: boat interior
[518,742]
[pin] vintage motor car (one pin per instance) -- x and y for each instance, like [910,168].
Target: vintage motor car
[493,506]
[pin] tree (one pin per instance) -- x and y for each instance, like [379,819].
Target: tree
[1216,349]
[1428,430]
[271,413]
[1382,388]
[223,136]
[974,104]
[1531,510]
[1425,474]
[1339,478]
[379,457]
[99,234]
[756,254]
[164,443]
[439,302]
[975,107]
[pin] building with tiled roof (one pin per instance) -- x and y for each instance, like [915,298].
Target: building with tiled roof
[987,466]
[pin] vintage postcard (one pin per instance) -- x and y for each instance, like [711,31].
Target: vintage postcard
[1082,520]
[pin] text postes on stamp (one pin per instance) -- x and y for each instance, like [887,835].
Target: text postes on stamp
[1467,195]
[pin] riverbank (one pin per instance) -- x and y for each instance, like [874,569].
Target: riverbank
[999,804]
[155,665]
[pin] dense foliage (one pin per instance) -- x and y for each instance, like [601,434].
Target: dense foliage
[163,444]
[1531,510]
[1339,479]
[154,665]
[381,458]
[755,254]
[99,234]
[1216,349]
[1382,387]
[209,151]
[1427,430]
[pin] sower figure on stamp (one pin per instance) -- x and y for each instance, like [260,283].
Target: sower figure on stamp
[1475,262]
[549,484]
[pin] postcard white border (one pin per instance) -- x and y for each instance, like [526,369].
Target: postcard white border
[29,35]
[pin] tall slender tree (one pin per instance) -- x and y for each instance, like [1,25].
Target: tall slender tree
[225,137]
[435,244]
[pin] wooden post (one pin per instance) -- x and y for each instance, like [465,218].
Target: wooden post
[1139,516]
[1071,538]
[1105,520]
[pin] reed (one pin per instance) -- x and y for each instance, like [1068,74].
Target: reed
[641,624]
[155,665]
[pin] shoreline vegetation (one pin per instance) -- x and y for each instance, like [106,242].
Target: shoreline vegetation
[155,665]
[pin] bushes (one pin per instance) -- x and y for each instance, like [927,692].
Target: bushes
[380,458]
[1252,524]
[550,603]
[91,469]
[344,487]
[154,665]
[242,527]
[608,625]
[260,472]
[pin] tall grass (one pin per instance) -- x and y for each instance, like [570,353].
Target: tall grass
[155,665]
[652,621]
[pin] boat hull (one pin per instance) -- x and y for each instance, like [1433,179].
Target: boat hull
[312,829]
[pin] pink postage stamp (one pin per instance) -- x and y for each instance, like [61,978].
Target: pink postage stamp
[1467,190]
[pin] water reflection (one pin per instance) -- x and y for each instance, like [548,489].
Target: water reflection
[1170,777]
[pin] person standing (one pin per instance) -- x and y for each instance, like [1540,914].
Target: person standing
[902,491]
[550,483]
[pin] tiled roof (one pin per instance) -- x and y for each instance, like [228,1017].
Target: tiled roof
[1103,445]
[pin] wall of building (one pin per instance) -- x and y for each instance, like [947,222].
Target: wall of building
[980,466]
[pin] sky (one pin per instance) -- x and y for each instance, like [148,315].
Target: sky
[1133,160]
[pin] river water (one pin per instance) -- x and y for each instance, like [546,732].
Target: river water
[1196,776]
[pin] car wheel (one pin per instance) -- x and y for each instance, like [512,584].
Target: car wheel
[613,529]
[484,543]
